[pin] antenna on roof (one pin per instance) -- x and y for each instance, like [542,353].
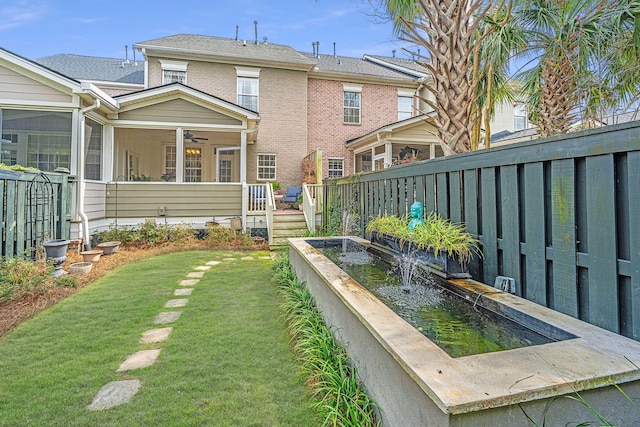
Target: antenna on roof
[334,49]
[236,32]
[255,23]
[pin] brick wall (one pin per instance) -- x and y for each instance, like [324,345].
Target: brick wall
[283,111]
[379,106]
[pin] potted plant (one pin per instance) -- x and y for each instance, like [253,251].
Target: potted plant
[56,252]
[299,202]
[444,246]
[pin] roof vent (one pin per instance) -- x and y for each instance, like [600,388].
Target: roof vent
[255,24]
[334,49]
[265,40]
[237,26]
[316,49]
[393,53]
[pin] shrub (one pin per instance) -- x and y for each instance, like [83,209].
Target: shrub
[148,232]
[218,234]
[67,281]
[19,275]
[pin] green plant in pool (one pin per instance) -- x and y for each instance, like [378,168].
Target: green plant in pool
[437,235]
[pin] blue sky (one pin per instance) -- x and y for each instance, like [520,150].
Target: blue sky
[39,28]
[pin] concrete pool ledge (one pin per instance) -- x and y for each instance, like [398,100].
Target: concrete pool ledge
[414,381]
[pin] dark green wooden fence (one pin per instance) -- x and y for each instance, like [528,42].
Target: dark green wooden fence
[561,215]
[25,211]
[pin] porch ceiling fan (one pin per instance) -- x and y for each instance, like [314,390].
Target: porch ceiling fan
[188,135]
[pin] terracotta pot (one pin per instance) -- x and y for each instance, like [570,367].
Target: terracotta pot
[109,248]
[80,268]
[91,256]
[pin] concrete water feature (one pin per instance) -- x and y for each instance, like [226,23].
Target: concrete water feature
[415,382]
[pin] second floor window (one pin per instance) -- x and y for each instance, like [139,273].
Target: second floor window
[352,107]
[173,71]
[171,76]
[248,92]
[405,107]
[519,116]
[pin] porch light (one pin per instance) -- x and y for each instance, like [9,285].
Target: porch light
[193,151]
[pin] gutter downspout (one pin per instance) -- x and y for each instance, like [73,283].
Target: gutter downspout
[81,187]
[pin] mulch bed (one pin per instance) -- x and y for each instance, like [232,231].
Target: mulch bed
[12,313]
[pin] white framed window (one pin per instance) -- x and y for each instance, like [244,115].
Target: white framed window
[192,164]
[266,167]
[248,87]
[336,168]
[173,71]
[170,163]
[93,150]
[405,103]
[351,103]
[519,116]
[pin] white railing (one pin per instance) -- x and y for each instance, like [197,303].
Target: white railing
[311,204]
[270,207]
[257,198]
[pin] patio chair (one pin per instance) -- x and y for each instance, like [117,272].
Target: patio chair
[292,195]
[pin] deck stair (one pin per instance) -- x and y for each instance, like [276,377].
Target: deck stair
[287,224]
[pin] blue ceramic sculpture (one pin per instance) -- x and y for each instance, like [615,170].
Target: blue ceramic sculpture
[417,212]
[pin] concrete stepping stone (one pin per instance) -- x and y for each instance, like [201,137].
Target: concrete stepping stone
[264,257]
[155,335]
[167,317]
[189,282]
[183,292]
[203,268]
[141,359]
[181,302]
[114,393]
[247,258]
[213,262]
[228,259]
[196,274]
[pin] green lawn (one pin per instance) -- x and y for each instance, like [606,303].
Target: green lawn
[227,362]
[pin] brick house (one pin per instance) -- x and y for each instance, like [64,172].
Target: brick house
[185,132]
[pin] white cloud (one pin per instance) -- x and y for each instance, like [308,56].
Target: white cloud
[20,13]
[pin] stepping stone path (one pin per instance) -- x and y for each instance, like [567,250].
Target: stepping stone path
[196,274]
[155,335]
[176,302]
[141,359]
[167,317]
[120,392]
[113,394]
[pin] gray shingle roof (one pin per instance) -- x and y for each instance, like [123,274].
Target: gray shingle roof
[94,68]
[218,46]
[401,62]
[348,65]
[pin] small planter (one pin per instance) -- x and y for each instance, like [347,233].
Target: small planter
[109,248]
[443,265]
[258,240]
[56,252]
[80,268]
[91,256]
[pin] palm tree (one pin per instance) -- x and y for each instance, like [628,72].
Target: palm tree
[448,29]
[566,38]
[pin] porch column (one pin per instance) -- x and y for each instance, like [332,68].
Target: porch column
[388,154]
[243,177]
[179,155]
